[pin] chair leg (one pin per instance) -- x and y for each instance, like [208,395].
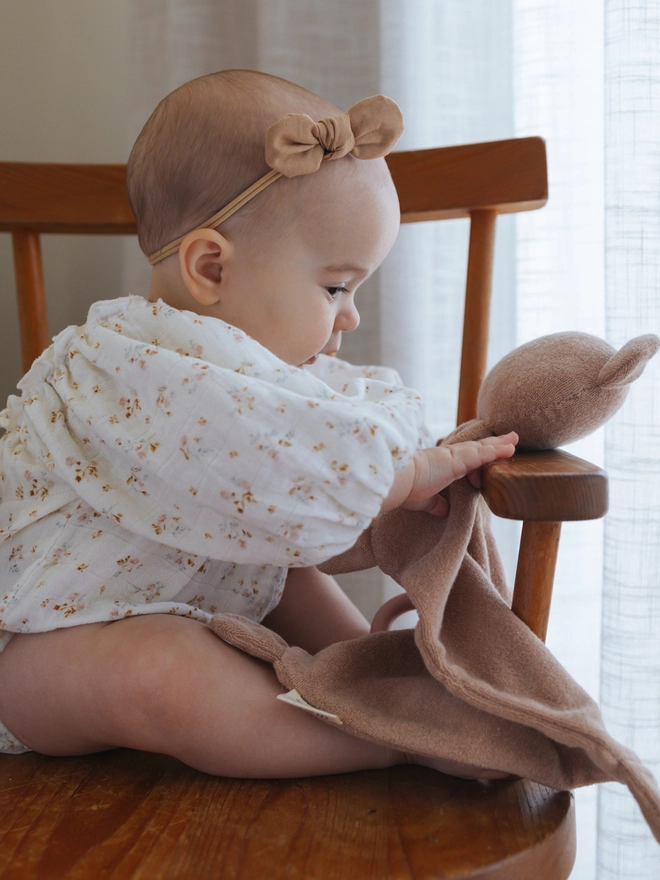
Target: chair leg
[535,574]
[32,315]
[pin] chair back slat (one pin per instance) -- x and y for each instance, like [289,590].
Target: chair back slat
[447,182]
[81,199]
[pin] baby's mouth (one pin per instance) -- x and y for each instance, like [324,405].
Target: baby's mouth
[332,353]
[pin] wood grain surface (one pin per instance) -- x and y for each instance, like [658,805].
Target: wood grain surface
[447,182]
[551,486]
[535,574]
[30,295]
[49,197]
[125,814]
[476,314]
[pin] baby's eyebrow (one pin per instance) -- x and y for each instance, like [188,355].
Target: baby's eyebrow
[358,271]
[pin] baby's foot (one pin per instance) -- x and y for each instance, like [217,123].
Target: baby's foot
[455,768]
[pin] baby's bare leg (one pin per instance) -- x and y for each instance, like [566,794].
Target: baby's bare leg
[167,684]
[314,612]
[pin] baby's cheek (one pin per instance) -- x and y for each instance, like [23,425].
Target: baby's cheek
[309,338]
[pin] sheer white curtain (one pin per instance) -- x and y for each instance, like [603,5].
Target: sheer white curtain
[558,93]
[586,78]
[630,676]
[470,70]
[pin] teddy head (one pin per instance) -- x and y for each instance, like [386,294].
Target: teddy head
[561,387]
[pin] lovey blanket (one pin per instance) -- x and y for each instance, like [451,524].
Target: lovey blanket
[472,683]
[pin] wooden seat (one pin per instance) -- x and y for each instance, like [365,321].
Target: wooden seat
[126,814]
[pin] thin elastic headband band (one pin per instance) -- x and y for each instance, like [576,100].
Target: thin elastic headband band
[222,215]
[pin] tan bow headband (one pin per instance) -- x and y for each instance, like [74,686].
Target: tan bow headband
[297,145]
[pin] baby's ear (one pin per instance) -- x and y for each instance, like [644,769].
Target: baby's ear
[628,363]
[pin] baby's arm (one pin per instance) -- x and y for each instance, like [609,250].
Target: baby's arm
[432,470]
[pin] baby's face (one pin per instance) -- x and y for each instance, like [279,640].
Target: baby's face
[294,292]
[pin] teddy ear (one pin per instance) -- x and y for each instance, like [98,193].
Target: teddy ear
[629,361]
[248,636]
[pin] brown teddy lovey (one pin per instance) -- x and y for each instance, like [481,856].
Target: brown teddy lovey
[472,683]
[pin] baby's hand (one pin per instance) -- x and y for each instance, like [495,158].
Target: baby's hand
[437,467]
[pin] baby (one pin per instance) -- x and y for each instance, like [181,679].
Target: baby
[199,452]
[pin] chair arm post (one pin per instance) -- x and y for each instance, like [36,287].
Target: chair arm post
[543,489]
[537,559]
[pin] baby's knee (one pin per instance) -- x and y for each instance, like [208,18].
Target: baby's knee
[154,657]
[128,683]
[158,676]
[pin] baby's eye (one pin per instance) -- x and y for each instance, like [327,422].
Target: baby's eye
[335,291]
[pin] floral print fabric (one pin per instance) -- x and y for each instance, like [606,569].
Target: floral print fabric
[163,462]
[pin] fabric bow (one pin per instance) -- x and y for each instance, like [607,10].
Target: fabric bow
[297,145]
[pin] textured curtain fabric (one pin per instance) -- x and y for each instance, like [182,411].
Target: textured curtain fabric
[630,675]
[558,94]
[585,77]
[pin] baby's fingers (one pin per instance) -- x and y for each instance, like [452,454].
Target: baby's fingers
[437,467]
[504,444]
[472,454]
[492,449]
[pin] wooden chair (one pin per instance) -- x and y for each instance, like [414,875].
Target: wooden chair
[125,814]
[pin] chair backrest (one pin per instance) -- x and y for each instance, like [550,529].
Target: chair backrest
[478,181]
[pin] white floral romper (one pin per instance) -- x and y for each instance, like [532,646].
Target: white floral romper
[162,462]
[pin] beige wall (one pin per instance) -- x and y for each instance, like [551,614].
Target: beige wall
[63,87]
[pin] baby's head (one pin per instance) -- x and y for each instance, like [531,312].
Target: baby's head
[285,266]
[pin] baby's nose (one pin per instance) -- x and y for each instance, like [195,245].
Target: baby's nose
[348,317]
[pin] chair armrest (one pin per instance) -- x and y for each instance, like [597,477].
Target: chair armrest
[550,486]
